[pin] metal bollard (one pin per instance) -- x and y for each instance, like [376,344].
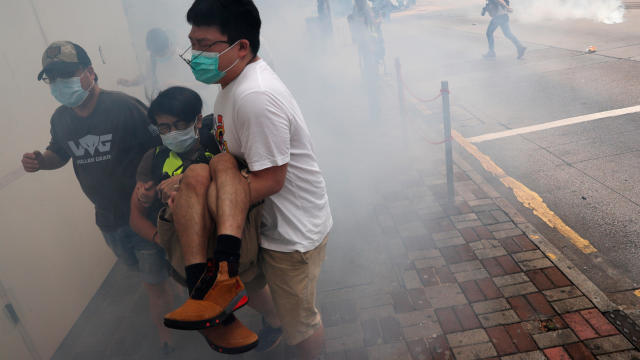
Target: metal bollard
[401,101]
[446,114]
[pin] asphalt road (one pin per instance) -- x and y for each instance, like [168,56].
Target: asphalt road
[587,173]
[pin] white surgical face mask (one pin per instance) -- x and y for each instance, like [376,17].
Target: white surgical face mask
[69,91]
[180,140]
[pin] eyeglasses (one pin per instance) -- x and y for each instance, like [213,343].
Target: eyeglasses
[59,74]
[189,59]
[165,128]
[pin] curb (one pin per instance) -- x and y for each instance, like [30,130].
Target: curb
[590,290]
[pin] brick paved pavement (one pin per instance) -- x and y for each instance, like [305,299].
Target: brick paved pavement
[471,285]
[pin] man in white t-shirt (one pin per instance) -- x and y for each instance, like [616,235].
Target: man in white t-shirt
[258,121]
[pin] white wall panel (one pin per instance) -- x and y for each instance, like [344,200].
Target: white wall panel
[52,256]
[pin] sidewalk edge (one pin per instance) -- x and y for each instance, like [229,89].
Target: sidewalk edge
[590,290]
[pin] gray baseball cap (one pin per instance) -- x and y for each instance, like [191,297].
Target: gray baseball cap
[63,54]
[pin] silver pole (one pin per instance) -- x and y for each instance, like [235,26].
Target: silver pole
[446,112]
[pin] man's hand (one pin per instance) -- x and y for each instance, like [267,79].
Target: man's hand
[146,193]
[168,187]
[172,200]
[31,162]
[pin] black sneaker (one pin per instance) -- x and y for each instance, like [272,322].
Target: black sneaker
[269,337]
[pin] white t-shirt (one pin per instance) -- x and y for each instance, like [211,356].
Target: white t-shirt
[259,121]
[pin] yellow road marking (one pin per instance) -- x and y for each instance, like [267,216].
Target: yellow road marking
[552,256]
[637,293]
[527,197]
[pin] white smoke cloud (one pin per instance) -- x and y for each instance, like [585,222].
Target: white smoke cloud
[604,11]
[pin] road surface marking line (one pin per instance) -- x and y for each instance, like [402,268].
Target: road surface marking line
[527,197]
[554,124]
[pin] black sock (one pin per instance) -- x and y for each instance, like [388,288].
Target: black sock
[194,272]
[228,249]
[229,320]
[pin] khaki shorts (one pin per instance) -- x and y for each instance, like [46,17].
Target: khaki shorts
[292,278]
[249,271]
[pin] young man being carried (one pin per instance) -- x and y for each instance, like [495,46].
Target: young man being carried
[188,141]
[259,122]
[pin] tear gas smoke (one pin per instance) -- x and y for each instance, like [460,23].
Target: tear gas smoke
[604,11]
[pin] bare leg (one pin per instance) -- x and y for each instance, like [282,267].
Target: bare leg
[311,347]
[191,214]
[212,195]
[160,301]
[231,194]
[262,302]
[217,190]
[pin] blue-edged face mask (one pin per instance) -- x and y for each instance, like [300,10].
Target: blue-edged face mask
[69,91]
[204,66]
[180,140]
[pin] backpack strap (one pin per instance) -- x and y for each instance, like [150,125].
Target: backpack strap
[157,166]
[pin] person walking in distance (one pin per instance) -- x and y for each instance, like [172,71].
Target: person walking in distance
[499,11]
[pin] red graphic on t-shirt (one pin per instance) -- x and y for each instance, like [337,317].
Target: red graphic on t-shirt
[220,134]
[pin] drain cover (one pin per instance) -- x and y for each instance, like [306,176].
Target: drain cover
[625,325]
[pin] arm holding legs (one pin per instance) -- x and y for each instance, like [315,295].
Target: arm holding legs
[137,219]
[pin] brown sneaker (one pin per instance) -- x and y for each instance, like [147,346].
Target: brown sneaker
[231,337]
[215,297]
